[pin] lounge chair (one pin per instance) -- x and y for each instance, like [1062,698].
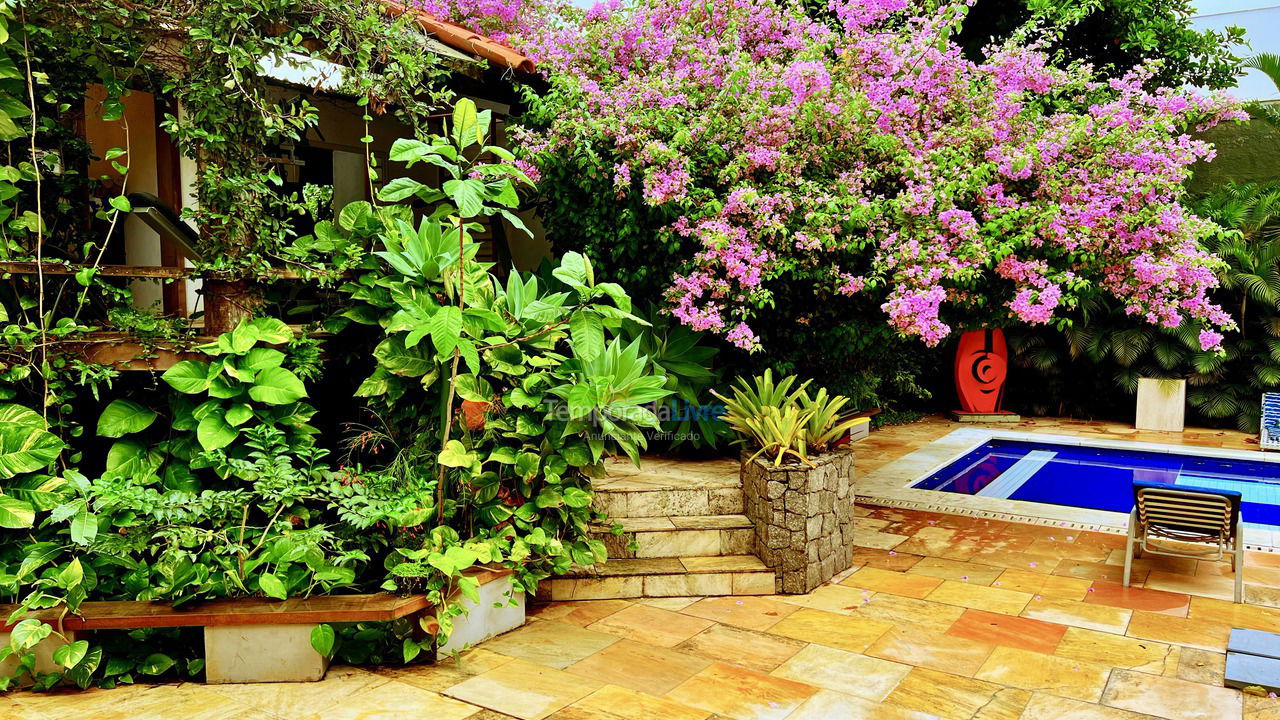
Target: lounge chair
[1188,516]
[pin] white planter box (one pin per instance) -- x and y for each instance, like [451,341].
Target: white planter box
[1162,404]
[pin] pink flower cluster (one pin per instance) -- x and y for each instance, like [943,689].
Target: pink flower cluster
[877,158]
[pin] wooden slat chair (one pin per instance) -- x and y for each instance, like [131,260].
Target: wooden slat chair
[1189,516]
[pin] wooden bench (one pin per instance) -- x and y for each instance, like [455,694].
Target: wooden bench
[246,639]
[262,640]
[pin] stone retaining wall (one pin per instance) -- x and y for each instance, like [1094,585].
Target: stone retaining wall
[803,517]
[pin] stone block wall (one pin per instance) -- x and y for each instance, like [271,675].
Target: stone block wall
[803,517]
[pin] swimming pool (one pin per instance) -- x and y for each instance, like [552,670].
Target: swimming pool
[1101,478]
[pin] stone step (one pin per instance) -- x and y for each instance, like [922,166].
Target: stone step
[664,488]
[663,577]
[678,536]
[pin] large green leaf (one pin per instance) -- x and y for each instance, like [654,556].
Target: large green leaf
[272,586]
[16,514]
[26,448]
[123,417]
[399,360]
[188,376]
[587,333]
[214,432]
[446,325]
[277,386]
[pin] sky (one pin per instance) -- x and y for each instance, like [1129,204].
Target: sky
[1261,21]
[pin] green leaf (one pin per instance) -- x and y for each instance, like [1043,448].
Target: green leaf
[123,417]
[262,359]
[189,376]
[277,386]
[213,432]
[121,203]
[26,448]
[399,360]
[464,122]
[273,587]
[577,497]
[16,514]
[239,414]
[410,648]
[587,335]
[467,195]
[455,454]
[446,326]
[399,189]
[70,655]
[84,528]
[156,664]
[28,633]
[322,639]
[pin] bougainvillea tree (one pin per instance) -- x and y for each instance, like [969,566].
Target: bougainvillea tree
[873,157]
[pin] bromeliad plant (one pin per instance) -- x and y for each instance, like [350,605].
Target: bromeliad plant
[779,422]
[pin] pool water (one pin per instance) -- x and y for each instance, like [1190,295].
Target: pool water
[1102,478]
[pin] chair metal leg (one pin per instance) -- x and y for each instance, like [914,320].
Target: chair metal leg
[1237,562]
[1128,548]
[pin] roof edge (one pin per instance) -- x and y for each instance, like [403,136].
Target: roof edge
[459,37]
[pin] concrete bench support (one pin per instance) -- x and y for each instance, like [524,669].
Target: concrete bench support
[261,653]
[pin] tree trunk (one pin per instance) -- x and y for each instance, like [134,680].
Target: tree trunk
[227,303]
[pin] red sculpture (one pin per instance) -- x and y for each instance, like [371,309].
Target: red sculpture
[982,362]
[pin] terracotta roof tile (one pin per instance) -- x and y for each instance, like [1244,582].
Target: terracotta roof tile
[456,36]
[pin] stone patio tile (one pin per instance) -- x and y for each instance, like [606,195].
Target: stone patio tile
[577,612]
[1078,614]
[1134,598]
[1068,550]
[593,588]
[1118,651]
[1047,673]
[1162,563]
[553,644]
[753,650]
[295,700]
[742,694]
[688,584]
[1214,586]
[953,697]
[1262,595]
[525,690]
[962,594]
[828,705]
[1096,571]
[651,625]
[832,598]
[1036,532]
[867,677]
[753,613]
[1015,560]
[916,586]
[392,700]
[956,570]
[1233,615]
[1042,584]
[938,542]
[1111,541]
[909,612]
[1007,630]
[1202,666]
[669,603]
[1051,707]
[877,539]
[613,702]
[884,559]
[845,632]
[935,651]
[640,667]
[1261,708]
[1171,698]
[126,702]
[1190,632]
[446,671]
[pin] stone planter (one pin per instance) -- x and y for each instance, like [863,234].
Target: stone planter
[803,517]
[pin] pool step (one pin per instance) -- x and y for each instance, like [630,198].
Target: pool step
[663,577]
[678,536]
